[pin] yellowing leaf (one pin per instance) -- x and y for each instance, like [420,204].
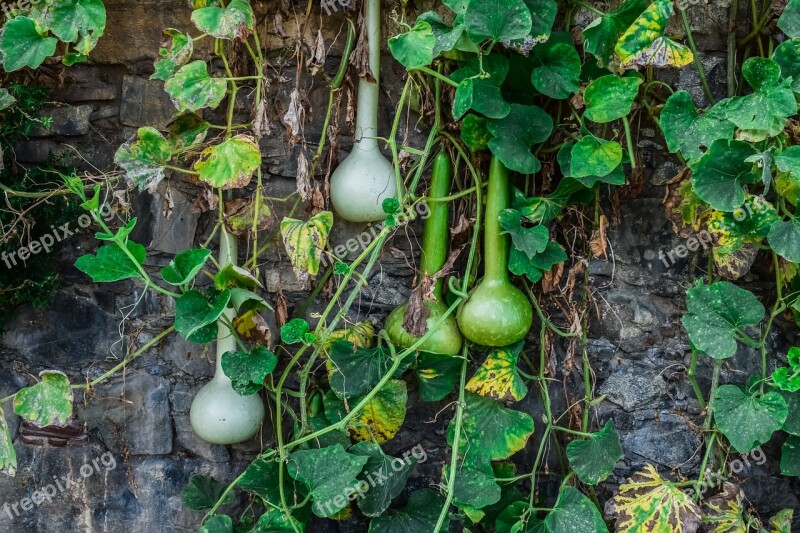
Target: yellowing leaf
[781,522]
[646,503]
[231,164]
[8,457]
[305,242]
[724,511]
[497,377]
[48,402]
[643,42]
[664,52]
[382,416]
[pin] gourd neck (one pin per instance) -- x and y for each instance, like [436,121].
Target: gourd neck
[368,92]
[226,342]
[435,236]
[495,243]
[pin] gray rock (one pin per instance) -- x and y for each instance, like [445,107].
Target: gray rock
[67,121]
[670,441]
[144,103]
[633,387]
[189,440]
[187,357]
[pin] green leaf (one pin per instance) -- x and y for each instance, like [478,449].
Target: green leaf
[247,370]
[781,522]
[574,513]
[414,48]
[8,457]
[191,88]
[231,164]
[48,402]
[185,266]
[600,37]
[792,423]
[188,130]
[421,514]
[445,36]
[543,15]
[643,42]
[356,371]
[790,457]
[261,478]
[384,481]
[510,520]
[787,378]
[25,44]
[516,134]
[764,112]
[326,472]
[196,316]
[274,521]
[203,492]
[534,268]
[475,133]
[305,242]
[475,488]
[176,50]
[593,459]
[144,159]
[234,21]
[498,377]
[595,152]
[645,502]
[71,19]
[497,20]
[218,524]
[490,430]
[592,156]
[481,96]
[543,209]
[789,21]
[111,263]
[715,313]
[748,419]
[529,240]
[6,100]
[784,238]
[787,56]
[383,415]
[294,331]
[558,76]
[235,276]
[437,375]
[687,131]
[719,174]
[610,97]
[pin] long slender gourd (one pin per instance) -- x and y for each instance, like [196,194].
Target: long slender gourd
[361,183]
[219,414]
[446,339]
[496,312]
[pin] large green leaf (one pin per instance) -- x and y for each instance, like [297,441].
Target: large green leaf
[437,375]
[593,459]
[790,457]
[602,34]
[355,371]
[261,478]
[25,44]
[764,112]
[385,480]
[234,21]
[306,241]
[481,96]
[643,42]
[498,377]
[414,48]
[111,263]
[528,239]
[689,132]
[218,524]
[421,514]
[445,36]
[144,159]
[574,513]
[789,21]
[185,266]
[191,88]
[748,419]
[48,402]
[646,502]
[490,430]
[715,313]
[788,378]
[231,164]
[176,49]
[247,370]
[497,20]
[558,74]
[594,155]
[8,457]
[792,423]
[196,316]
[543,15]
[515,135]
[475,488]
[327,473]
[787,56]
[71,19]
[784,238]
[719,174]
[610,97]
[203,492]
[188,130]
[535,267]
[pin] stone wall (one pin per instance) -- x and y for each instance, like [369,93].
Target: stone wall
[637,348]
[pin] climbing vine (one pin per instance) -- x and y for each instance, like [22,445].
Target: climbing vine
[530,123]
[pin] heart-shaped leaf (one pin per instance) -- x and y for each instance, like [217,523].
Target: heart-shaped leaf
[787,56]
[111,263]
[383,415]
[196,316]
[610,97]
[25,44]
[306,241]
[234,21]
[748,419]
[203,492]
[144,158]
[643,42]
[564,157]
[535,267]
[185,266]
[719,174]
[687,131]
[558,75]
[789,21]
[48,402]
[437,375]
[247,370]
[497,20]
[191,88]
[414,48]
[592,156]
[498,377]
[602,34]
[381,467]
[231,164]
[529,240]
[70,20]
[515,135]
[356,371]
[574,513]
[593,459]
[176,49]
[784,238]
[421,514]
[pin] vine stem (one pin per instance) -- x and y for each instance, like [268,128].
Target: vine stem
[629,141]
[697,63]
[731,66]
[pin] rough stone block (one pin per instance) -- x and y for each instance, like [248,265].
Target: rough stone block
[145,103]
[67,121]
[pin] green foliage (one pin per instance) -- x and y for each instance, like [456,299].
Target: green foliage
[355,371]
[420,514]
[196,314]
[48,402]
[498,377]
[144,159]
[191,88]
[113,262]
[748,419]
[230,164]
[185,266]
[593,459]
[247,370]
[574,512]
[306,241]
[203,492]
[381,466]
[610,97]
[788,378]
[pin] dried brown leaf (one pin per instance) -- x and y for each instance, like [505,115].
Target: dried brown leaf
[599,242]
[294,117]
[304,188]
[207,201]
[316,58]
[281,308]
